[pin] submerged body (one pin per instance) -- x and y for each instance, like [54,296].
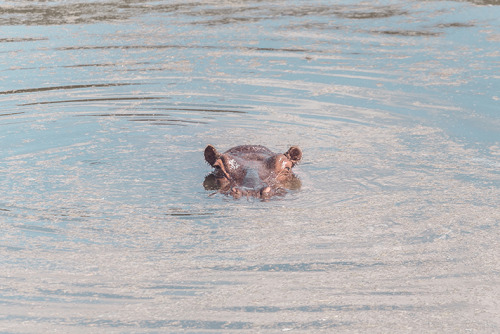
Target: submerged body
[252,170]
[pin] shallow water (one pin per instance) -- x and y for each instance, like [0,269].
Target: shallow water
[106,110]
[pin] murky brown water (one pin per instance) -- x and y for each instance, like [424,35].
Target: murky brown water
[106,108]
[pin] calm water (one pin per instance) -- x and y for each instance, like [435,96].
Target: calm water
[106,108]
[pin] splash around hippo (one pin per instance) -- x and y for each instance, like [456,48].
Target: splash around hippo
[252,171]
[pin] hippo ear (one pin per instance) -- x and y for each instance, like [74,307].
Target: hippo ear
[294,154]
[211,155]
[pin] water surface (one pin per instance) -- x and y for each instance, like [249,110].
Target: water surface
[106,108]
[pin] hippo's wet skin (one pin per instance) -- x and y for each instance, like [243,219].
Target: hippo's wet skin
[252,170]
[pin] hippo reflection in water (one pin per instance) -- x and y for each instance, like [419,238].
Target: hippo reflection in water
[252,170]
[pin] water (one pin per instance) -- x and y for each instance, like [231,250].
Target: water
[106,108]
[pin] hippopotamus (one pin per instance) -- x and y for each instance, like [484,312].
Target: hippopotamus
[252,171]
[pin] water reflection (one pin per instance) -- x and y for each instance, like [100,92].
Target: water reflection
[106,109]
[58,13]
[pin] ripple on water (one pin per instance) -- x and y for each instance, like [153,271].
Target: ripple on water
[106,110]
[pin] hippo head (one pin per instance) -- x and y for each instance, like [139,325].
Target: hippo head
[252,170]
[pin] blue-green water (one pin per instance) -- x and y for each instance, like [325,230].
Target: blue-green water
[106,108]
